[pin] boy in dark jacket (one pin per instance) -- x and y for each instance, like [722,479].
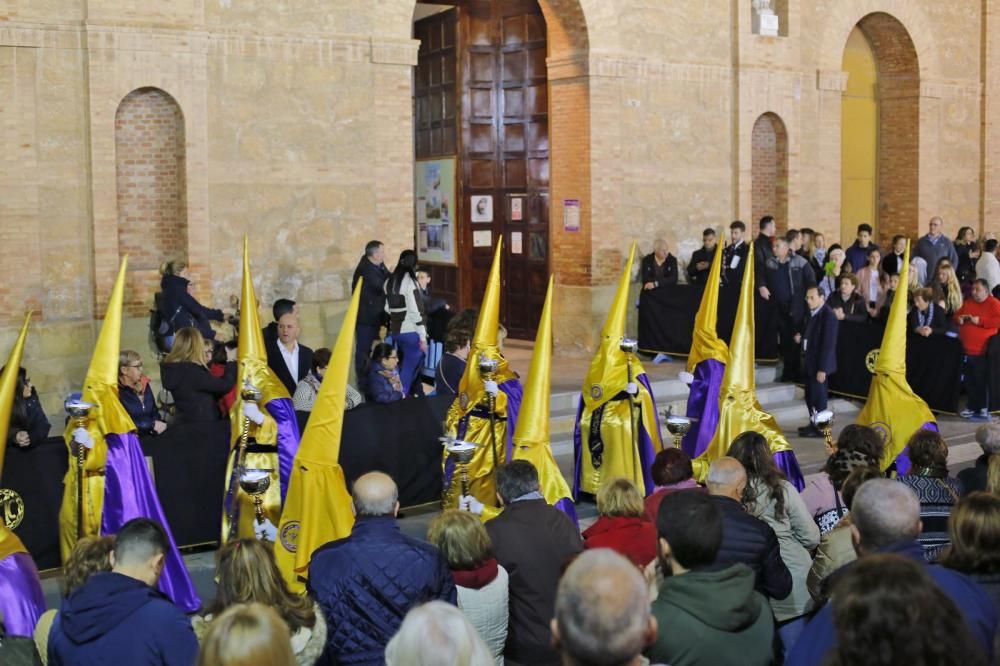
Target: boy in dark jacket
[119,617]
[707,614]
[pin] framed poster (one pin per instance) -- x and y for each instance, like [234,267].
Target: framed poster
[482,208]
[435,215]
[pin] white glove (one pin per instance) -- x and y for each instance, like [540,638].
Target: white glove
[252,412]
[470,504]
[686,377]
[632,388]
[81,436]
[492,388]
[265,531]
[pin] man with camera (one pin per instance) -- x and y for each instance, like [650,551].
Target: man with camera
[978,320]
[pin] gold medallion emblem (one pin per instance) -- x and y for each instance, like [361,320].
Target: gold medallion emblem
[11,508]
[871,360]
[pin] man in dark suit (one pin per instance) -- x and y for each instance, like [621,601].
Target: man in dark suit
[763,249]
[282,306]
[819,346]
[658,269]
[734,257]
[701,260]
[289,360]
[371,310]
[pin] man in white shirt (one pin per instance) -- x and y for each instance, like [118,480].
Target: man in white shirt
[289,360]
[988,266]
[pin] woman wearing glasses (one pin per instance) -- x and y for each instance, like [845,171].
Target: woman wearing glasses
[136,395]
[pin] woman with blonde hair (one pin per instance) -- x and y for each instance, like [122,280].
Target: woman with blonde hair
[247,573]
[90,555]
[481,582]
[247,635]
[947,290]
[184,372]
[437,634]
[622,525]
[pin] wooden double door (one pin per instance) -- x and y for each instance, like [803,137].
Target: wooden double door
[481,95]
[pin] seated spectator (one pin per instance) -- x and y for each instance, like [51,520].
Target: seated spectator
[305,393]
[185,374]
[974,530]
[836,547]
[247,634]
[90,555]
[988,266]
[671,471]
[834,267]
[746,539]
[659,268]
[602,613]
[432,305]
[28,423]
[136,395]
[846,302]
[926,318]
[708,615]
[288,359]
[437,633]
[860,438]
[621,524]
[892,264]
[870,282]
[482,583]
[822,496]
[975,478]
[280,308]
[533,541]
[179,309]
[769,496]
[888,610]
[457,345]
[885,518]
[947,290]
[384,384]
[246,573]
[119,617]
[701,259]
[367,582]
[936,491]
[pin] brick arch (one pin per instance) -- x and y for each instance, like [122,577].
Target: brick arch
[844,15]
[151,179]
[769,170]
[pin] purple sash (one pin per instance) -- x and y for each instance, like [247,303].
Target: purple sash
[283,412]
[129,493]
[703,406]
[21,598]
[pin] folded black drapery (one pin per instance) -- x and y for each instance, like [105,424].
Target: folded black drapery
[189,467]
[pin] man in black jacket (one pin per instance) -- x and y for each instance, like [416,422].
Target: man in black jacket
[819,347]
[763,249]
[734,257]
[371,310]
[787,276]
[659,268]
[744,538]
[533,541]
[701,259]
[289,360]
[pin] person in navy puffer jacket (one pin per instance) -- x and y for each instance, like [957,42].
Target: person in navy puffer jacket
[119,617]
[366,583]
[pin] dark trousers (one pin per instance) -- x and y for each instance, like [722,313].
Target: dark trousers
[977,377]
[816,393]
[364,336]
[787,328]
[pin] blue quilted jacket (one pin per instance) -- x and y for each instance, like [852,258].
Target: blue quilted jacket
[366,583]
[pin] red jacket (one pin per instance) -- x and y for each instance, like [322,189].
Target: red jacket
[975,337]
[635,538]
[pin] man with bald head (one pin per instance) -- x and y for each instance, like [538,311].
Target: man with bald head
[659,268]
[602,611]
[746,539]
[366,583]
[289,360]
[934,247]
[885,518]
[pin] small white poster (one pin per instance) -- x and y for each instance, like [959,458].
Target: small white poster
[482,208]
[515,242]
[516,209]
[482,238]
[571,214]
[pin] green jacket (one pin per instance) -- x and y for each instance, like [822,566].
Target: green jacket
[712,618]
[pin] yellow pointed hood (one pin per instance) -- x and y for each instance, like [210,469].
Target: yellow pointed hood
[484,341]
[251,354]
[9,543]
[706,343]
[608,373]
[892,408]
[318,507]
[739,409]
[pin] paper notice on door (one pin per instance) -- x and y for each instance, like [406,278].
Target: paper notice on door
[482,238]
[515,242]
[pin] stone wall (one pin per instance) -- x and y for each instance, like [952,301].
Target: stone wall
[298,132]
